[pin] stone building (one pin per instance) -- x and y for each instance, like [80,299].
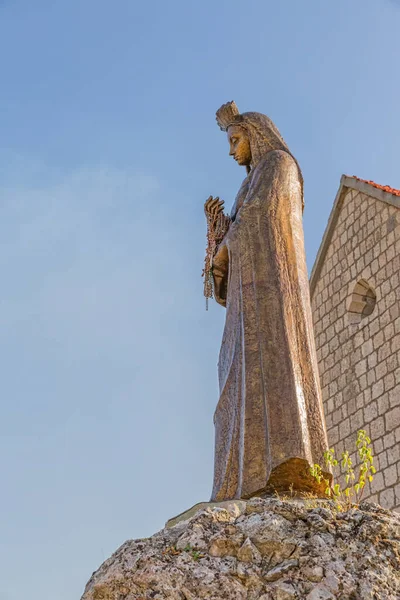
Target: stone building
[355,294]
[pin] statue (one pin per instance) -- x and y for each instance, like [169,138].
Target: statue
[269,421]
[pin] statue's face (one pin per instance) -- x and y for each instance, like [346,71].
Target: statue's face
[239,145]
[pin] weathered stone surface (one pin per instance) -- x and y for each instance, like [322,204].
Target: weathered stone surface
[249,553]
[233,509]
[313,552]
[280,570]
[313,573]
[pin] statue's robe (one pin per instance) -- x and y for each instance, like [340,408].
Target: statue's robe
[269,419]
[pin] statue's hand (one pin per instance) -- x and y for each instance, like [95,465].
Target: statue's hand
[213,206]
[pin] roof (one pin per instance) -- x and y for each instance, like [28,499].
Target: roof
[385,188]
[384,193]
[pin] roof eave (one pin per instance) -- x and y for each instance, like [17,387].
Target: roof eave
[346,183]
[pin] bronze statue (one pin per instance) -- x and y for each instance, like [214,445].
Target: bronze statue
[269,421]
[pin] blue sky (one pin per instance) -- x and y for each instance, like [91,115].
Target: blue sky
[108,149]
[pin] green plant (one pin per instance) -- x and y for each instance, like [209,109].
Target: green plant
[195,554]
[354,489]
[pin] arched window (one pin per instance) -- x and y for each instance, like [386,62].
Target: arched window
[362,301]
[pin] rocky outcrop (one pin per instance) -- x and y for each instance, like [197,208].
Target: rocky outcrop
[263,549]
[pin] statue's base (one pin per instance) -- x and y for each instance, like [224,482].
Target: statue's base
[291,479]
[294,476]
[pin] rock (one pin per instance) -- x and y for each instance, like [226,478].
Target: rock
[284,591]
[223,546]
[277,572]
[251,577]
[256,505]
[193,538]
[332,582]
[260,549]
[320,592]
[272,535]
[229,514]
[233,506]
[318,522]
[249,553]
[314,573]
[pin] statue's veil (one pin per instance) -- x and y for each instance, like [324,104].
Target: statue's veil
[263,134]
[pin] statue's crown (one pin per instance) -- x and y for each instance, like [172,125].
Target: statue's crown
[227,115]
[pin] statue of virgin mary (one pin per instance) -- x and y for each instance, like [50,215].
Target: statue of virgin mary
[269,421]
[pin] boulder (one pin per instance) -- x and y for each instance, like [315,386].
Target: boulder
[260,549]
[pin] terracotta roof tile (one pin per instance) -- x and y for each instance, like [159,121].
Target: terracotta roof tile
[385,188]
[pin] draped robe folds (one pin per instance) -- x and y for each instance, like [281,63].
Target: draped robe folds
[269,419]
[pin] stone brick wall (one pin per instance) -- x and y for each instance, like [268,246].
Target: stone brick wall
[359,362]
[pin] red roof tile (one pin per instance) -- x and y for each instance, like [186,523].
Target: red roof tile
[385,188]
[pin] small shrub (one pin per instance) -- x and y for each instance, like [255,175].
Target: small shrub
[355,485]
